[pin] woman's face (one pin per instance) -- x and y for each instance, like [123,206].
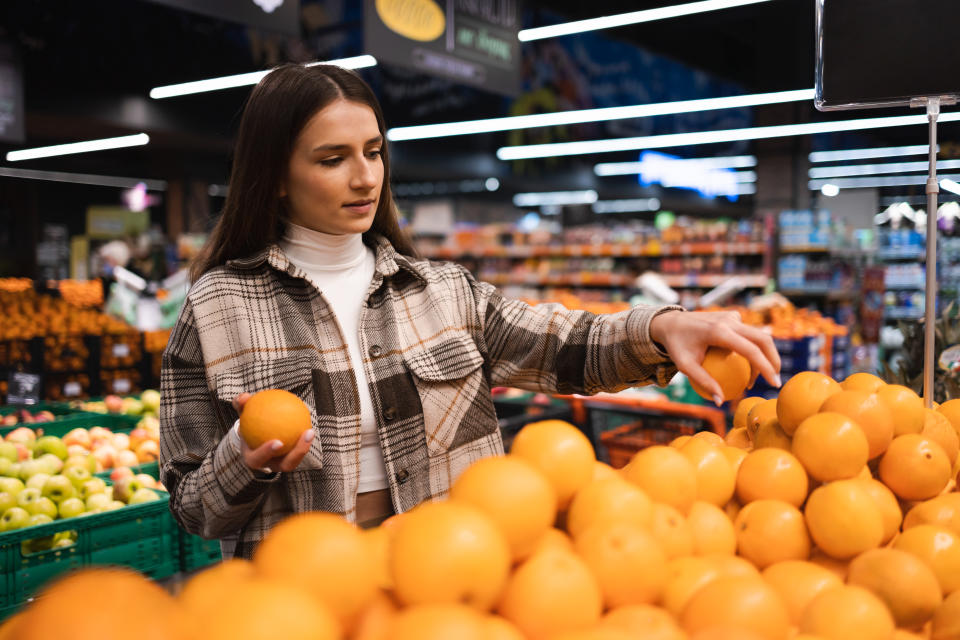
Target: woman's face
[336,170]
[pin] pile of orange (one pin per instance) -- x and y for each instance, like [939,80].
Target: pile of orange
[827,513]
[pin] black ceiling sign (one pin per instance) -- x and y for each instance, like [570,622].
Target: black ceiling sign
[273,15]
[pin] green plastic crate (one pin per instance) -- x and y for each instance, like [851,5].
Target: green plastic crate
[143,537]
[114,422]
[197,553]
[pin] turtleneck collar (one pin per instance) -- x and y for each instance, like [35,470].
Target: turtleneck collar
[311,249]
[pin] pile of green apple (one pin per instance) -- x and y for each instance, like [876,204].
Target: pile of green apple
[146,404]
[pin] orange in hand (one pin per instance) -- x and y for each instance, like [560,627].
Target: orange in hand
[728,368]
[274,414]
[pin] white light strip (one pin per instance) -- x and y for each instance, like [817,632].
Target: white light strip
[745,177]
[634,17]
[631,168]
[876,169]
[950,185]
[79,147]
[626,206]
[746,189]
[863,154]
[521,152]
[246,79]
[554,198]
[872,183]
[489,125]
[82,178]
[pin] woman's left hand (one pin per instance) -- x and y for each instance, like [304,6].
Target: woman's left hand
[686,337]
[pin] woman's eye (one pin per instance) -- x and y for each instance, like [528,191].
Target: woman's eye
[331,162]
[374,153]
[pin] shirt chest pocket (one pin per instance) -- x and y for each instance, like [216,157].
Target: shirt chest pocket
[453,391]
[293,374]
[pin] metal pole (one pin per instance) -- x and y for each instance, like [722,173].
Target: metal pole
[933,188]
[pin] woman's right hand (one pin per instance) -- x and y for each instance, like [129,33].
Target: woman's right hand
[263,457]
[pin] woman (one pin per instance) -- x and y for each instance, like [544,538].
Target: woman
[307,284]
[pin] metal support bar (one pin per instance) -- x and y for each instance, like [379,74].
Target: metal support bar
[930,310]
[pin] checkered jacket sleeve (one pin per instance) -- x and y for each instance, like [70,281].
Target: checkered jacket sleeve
[212,491]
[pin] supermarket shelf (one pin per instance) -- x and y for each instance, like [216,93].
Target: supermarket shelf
[902,313]
[650,250]
[904,253]
[907,286]
[829,294]
[561,280]
[804,249]
[705,280]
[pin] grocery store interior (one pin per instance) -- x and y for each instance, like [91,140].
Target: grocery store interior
[643,156]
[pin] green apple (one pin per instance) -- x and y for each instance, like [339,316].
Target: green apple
[27,497]
[41,518]
[59,488]
[43,506]
[131,407]
[8,450]
[14,518]
[77,475]
[6,467]
[151,400]
[37,481]
[14,470]
[29,468]
[50,444]
[97,502]
[114,505]
[7,500]
[143,495]
[11,485]
[52,463]
[91,487]
[124,488]
[87,462]
[71,508]
[68,536]
[63,542]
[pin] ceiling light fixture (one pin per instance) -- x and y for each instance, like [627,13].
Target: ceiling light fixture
[522,152]
[950,185]
[877,169]
[629,205]
[488,125]
[247,79]
[862,154]
[554,198]
[79,147]
[631,168]
[634,17]
[872,183]
[830,190]
[82,178]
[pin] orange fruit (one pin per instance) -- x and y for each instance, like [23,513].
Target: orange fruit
[730,369]
[770,531]
[801,397]
[939,548]
[688,574]
[862,382]
[262,608]
[760,413]
[514,494]
[672,530]
[449,552]
[665,475]
[711,529]
[323,555]
[643,621]
[601,471]
[627,561]
[551,592]
[379,540]
[561,453]
[915,467]
[498,628]
[738,437]
[553,539]
[902,634]
[743,409]
[837,567]
[773,474]
[798,582]
[887,503]
[376,620]
[439,622]
[951,411]
[905,406]
[726,633]
[771,435]
[274,414]
[830,446]
[735,457]
[679,441]
[906,585]
[946,620]
[843,519]
[740,602]
[847,612]
[939,429]
[869,413]
[207,589]
[715,475]
[612,499]
[942,510]
[593,633]
[709,437]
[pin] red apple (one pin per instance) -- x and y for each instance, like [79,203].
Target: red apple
[23,451]
[23,435]
[148,451]
[137,437]
[125,458]
[9,420]
[78,436]
[147,480]
[105,455]
[113,403]
[121,441]
[100,433]
[119,473]
[77,450]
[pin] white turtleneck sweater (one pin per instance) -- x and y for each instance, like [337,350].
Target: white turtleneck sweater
[342,268]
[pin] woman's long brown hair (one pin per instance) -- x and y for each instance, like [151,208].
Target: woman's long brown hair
[278,109]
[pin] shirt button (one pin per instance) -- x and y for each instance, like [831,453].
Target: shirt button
[402,476]
[390,413]
[375,351]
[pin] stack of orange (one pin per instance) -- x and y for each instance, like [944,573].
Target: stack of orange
[792,526]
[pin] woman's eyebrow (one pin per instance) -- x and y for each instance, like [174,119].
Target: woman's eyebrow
[336,147]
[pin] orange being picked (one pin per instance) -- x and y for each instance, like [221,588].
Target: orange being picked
[743,410]
[939,548]
[672,530]
[438,622]
[517,497]
[843,519]
[941,510]
[771,531]
[862,382]
[730,369]
[740,602]
[887,503]
[773,474]
[915,467]
[626,560]
[561,452]
[802,396]
[869,413]
[846,612]
[798,582]
[715,475]
[665,475]
[609,499]
[712,530]
[643,621]
[906,585]
[761,413]
[905,406]
[939,429]
[274,414]
[830,446]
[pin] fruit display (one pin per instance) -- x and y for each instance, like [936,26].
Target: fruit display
[25,416]
[812,518]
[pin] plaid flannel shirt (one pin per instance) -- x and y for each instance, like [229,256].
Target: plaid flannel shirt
[435,342]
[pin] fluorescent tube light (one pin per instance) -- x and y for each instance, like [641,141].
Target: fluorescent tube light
[488,125]
[521,152]
[629,205]
[246,79]
[634,17]
[79,147]
[875,169]
[631,168]
[830,190]
[950,185]
[82,178]
[872,183]
[863,154]
[554,198]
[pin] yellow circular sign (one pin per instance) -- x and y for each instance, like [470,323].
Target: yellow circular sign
[419,20]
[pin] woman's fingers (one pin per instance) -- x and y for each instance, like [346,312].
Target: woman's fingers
[239,401]
[696,373]
[295,455]
[736,342]
[763,340]
[262,456]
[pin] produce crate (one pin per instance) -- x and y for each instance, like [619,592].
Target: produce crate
[66,353]
[514,413]
[143,537]
[149,468]
[115,422]
[60,410]
[196,552]
[121,350]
